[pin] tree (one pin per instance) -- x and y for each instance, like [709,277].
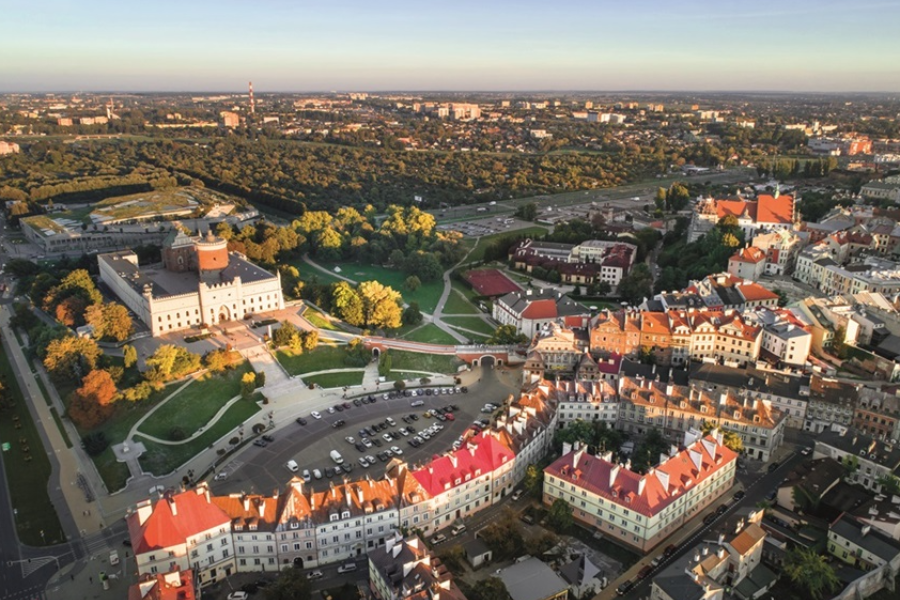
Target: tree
[533,480]
[411,314]
[381,305]
[129,356]
[385,363]
[810,572]
[782,297]
[346,304]
[71,357]
[491,588]
[310,340]
[248,385]
[90,405]
[291,584]
[528,211]
[637,285]
[170,362]
[730,439]
[890,484]
[109,321]
[412,283]
[503,536]
[507,334]
[559,517]
[285,333]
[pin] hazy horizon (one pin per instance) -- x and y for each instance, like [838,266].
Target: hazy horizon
[646,46]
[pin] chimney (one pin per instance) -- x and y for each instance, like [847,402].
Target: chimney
[663,479]
[720,553]
[246,503]
[705,550]
[696,556]
[613,473]
[865,529]
[144,510]
[721,538]
[641,483]
[723,398]
[670,389]
[453,459]
[348,496]
[360,496]
[262,507]
[173,507]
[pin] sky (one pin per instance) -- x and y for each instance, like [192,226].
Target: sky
[464,45]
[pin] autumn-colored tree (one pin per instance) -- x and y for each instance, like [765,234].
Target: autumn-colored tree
[248,384]
[91,403]
[109,320]
[129,355]
[169,362]
[310,340]
[381,305]
[70,311]
[71,357]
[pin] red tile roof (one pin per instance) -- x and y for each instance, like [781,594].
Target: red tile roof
[481,455]
[661,486]
[175,519]
[735,208]
[540,309]
[177,585]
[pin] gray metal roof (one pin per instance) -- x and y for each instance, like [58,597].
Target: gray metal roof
[532,580]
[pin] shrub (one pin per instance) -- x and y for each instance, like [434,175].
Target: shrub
[94,443]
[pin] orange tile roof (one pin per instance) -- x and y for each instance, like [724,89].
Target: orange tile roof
[751,254]
[176,585]
[249,511]
[753,291]
[775,210]
[749,537]
[735,208]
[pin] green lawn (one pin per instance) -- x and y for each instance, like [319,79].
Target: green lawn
[308,273]
[427,295]
[478,253]
[27,479]
[457,304]
[321,359]
[402,360]
[430,334]
[160,459]
[334,380]
[195,405]
[319,320]
[473,323]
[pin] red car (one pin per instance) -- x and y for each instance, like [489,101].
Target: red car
[643,573]
[449,417]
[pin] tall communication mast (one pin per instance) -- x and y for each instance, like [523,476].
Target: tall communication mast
[252,103]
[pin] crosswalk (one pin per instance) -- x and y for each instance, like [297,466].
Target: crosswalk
[95,544]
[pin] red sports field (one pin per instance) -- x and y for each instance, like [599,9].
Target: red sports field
[491,282]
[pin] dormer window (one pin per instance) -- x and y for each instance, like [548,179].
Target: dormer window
[345,514]
[333,517]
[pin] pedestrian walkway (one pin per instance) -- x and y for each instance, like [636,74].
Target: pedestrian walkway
[264,361]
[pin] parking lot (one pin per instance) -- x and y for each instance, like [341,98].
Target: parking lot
[264,468]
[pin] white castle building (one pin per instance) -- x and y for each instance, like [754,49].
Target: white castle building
[198,283]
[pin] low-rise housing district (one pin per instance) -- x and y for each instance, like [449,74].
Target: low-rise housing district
[723,355]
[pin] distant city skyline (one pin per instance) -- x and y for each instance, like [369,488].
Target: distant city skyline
[300,46]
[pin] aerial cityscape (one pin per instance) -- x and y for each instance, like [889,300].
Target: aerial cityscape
[496,302]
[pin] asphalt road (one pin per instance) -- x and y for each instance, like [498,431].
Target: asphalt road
[261,470]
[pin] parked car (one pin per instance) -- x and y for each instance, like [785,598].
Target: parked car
[449,416]
[339,423]
[238,595]
[670,550]
[439,538]
[516,494]
[292,466]
[307,477]
[346,568]
[269,438]
[396,450]
[417,403]
[709,518]
[260,442]
[624,588]
[363,462]
[806,451]
[773,467]
[723,508]
[315,414]
[644,572]
[313,575]
[329,472]
[391,422]
[317,474]
[738,495]
[346,467]
[301,420]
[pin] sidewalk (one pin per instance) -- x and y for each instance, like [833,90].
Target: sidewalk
[76,512]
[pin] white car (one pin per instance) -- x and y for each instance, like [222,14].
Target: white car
[367,442]
[370,458]
[317,474]
[396,450]
[363,462]
[313,575]
[238,596]
[221,476]
[292,466]
[391,422]
[387,437]
[306,476]
[350,439]
[424,435]
[315,414]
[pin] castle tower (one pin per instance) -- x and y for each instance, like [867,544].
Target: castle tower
[212,257]
[178,252]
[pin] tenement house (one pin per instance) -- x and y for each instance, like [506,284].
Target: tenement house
[641,510]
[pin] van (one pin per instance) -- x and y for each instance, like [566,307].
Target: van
[458,529]
[347,568]
[336,457]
